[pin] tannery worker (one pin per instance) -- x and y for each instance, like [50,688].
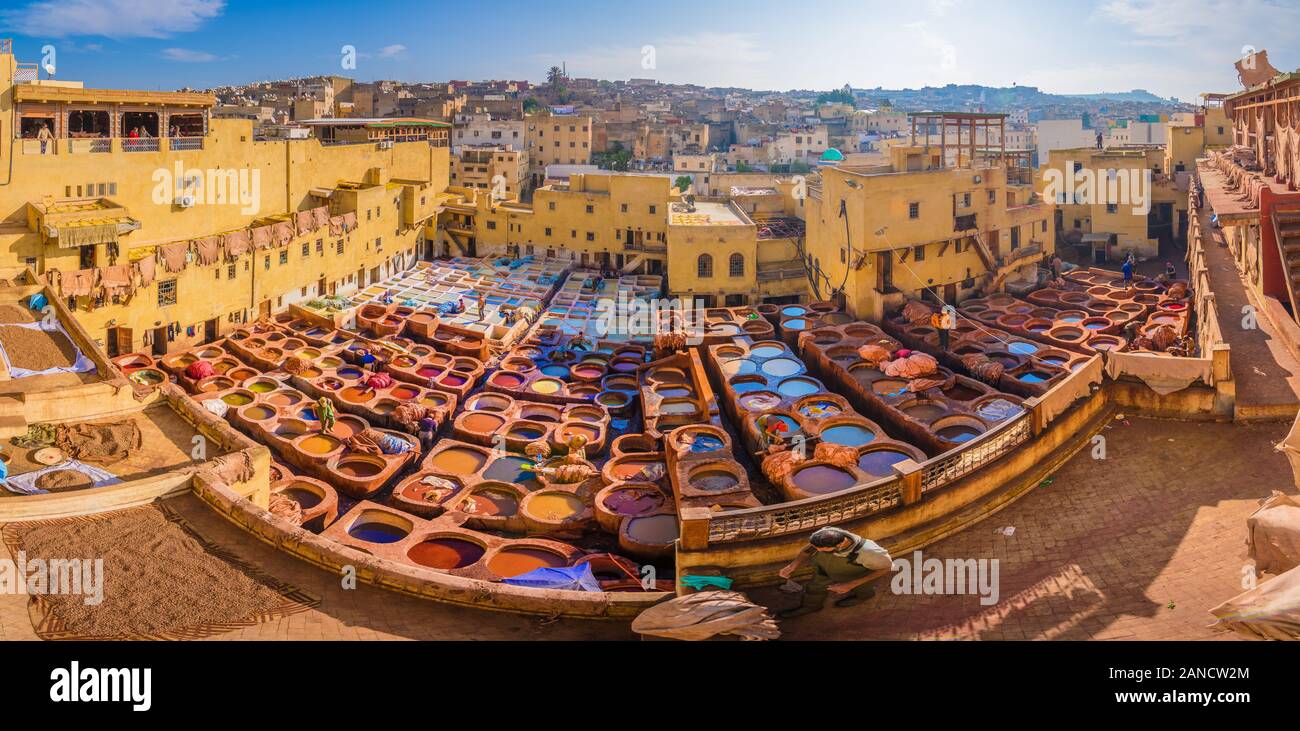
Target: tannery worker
[844,564]
[325,411]
[944,321]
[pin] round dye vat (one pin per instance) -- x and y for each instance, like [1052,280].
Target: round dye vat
[458,461]
[445,553]
[819,408]
[555,506]
[507,380]
[147,376]
[850,435]
[1072,319]
[782,367]
[673,392]
[356,394]
[1054,360]
[514,561]
[739,367]
[746,386]
[547,386]
[376,532]
[714,480]
[490,502]
[586,414]
[791,426]
[429,372]
[701,443]
[509,469]
[794,387]
[360,467]
[654,530]
[799,324]
[488,402]
[483,423]
[453,380]
[584,372]
[556,371]
[319,444]
[677,407]
[1032,377]
[626,470]
[262,386]
[304,496]
[404,393]
[633,501]
[258,413]
[767,351]
[761,401]
[793,311]
[822,479]
[880,462]
[526,432]
[590,433]
[349,373]
[924,410]
[237,399]
[958,433]
[1023,348]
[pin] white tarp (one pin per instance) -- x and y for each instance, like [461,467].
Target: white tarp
[82,364]
[1274,534]
[1270,611]
[26,484]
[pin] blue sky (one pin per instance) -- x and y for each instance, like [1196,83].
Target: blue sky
[1170,47]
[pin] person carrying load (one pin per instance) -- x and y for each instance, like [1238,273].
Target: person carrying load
[844,564]
[325,412]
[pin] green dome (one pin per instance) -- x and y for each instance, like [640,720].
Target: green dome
[833,155]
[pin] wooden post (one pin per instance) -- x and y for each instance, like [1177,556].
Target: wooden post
[909,474]
[1034,405]
[694,529]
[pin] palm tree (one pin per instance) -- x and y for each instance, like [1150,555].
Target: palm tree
[554,75]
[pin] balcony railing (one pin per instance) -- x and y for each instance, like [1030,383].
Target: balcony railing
[185,143]
[140,145]
[84,146]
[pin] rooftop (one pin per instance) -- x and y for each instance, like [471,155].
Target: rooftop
[705,213]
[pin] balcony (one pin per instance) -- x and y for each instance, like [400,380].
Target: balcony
[150,144]
[92,145]
[177,144]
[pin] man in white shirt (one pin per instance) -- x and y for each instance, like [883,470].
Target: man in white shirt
[844,564]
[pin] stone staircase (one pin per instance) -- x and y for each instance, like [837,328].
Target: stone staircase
[1287,226]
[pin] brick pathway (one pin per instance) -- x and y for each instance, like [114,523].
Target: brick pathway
[1139,546]
[1100,553]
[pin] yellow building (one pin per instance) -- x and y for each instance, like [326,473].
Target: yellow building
[1119,200]
[558,140]
[921,228]
[495,168]
[102,201]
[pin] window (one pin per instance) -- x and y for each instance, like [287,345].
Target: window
[230,272]
[993,196]
[653,209]
[266,262]
[338,247]
[167,293]
[623,208]
[492,225]
[914,210]
[591,209]
[320,246]
[284,257]
[965,199]
[736,265]
[306,249]
[591,236]
[704,266]
[918,253]
[551,205]
[1111,208]
[548,231]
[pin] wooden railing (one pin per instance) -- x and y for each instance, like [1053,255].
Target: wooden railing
[910,483]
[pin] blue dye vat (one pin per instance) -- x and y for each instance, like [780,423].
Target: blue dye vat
[850,435]
[1033,378]
[1023,348]
[706,443]
[795,324]
[377,533]
[792,311]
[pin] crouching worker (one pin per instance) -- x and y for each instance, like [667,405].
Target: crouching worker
[844,565]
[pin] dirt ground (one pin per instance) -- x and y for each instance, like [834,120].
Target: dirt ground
[166,441]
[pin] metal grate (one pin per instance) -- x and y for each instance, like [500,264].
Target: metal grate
[806,515]
[941,471]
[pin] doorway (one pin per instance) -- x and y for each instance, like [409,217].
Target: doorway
[160,341]
[885,271]
[120,341]
[211,330]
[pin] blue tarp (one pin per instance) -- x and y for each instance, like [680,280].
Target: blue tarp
[37,302]
[578,578]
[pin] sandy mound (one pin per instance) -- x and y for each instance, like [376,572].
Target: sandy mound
[36,350]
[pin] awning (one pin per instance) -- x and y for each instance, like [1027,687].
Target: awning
[1097,238]
[322,192]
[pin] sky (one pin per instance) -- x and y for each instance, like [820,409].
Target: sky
[1173,48]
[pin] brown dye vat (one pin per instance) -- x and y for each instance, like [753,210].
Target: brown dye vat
[713,480]
[885,386]
[491,502]
[1106,342]
[483,423]
[651,536]
[360,467]
[457,461]
[257,412]
[546,414]
[348,426]
[590,433]
[923,410]
[446,553]
[319,445]
[621,501]
[822,479]
[634,444]
[630,468]
[513,561]
[488,402]
[956,430]
[1068,333]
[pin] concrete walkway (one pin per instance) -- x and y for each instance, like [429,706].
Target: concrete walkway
[1266,372]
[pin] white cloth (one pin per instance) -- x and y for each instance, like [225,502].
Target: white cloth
[1077,385]
[1274,534]
[1270,611]
[26,484]
[1163,374]
[870,555]
[1291,448]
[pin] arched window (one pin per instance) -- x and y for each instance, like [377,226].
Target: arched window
[704,266]
[736,266]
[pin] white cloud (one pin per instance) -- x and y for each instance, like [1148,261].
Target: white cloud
[941,54]
[111,18]
[390,51]
[187,55]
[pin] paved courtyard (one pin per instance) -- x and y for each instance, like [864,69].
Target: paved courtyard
[1138,546]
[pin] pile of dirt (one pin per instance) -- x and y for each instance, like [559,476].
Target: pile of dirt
[64,481]
[101,443]
[159,579]
[12,313]
[37,350]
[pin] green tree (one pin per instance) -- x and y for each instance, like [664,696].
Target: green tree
[555,76]
[683,183]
